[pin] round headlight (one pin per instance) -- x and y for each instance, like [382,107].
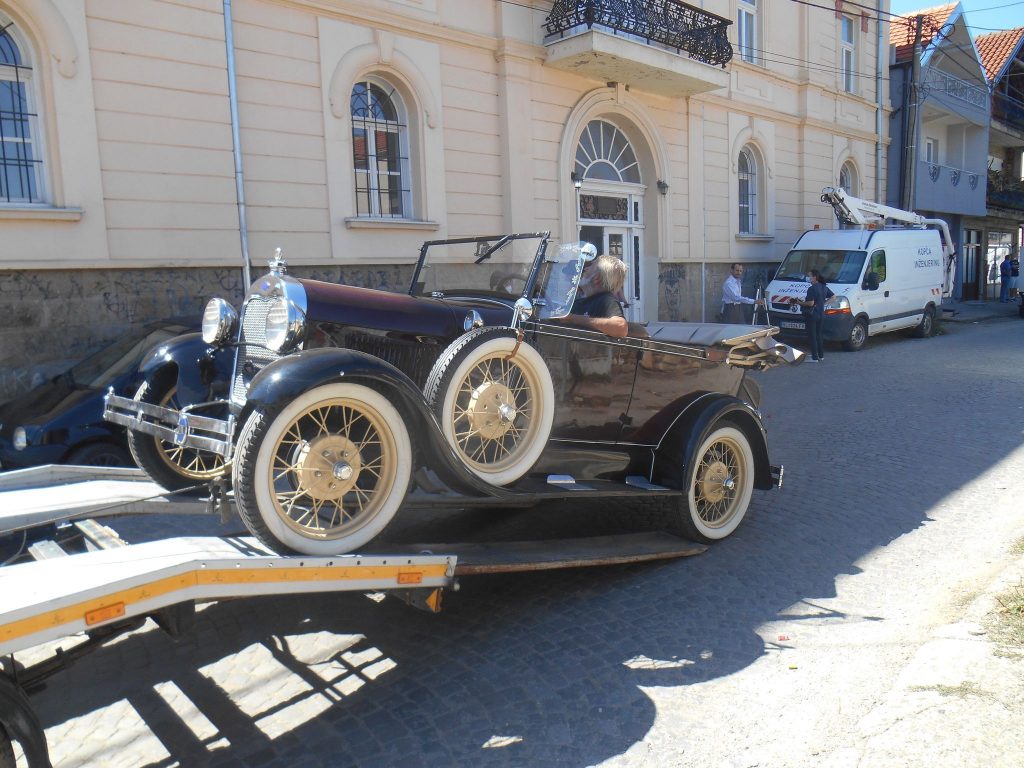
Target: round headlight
[284,325]
[20,439]
[219,321]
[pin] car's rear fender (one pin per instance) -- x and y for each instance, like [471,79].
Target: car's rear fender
[285,379]
[203,371]
[697,421]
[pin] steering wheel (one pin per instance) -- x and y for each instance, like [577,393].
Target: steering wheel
[507,285]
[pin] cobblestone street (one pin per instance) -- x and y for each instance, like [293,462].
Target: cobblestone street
[803,640]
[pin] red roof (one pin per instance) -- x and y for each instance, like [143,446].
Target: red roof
[901,33]
[996,48]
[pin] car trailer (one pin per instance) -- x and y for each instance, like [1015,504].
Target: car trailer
[75,576]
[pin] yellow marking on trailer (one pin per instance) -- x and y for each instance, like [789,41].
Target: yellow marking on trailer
[202,577]
[410,577]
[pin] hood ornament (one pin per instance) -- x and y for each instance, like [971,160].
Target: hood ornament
[278,266]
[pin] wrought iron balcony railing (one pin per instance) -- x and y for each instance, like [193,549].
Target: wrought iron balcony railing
[942,82]
[670,23]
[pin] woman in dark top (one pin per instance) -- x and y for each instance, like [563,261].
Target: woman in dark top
[814,312]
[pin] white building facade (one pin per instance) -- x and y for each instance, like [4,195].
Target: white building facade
[680,139]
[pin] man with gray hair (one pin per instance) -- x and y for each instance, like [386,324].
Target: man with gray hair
[595,306]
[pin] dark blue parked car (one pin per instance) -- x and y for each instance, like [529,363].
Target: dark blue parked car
[61,420]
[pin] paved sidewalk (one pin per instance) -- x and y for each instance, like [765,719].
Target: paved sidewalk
[976,311]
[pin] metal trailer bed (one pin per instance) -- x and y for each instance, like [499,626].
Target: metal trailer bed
[113,587]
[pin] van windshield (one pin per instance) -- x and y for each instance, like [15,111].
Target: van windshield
[834,266]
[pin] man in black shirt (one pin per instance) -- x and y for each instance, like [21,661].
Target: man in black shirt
[595,306]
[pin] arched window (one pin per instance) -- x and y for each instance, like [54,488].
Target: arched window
[748,176]
[605,154]
[380,147]
[20,161]
[848,178]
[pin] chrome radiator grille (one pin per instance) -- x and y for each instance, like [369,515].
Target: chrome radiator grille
[253,354]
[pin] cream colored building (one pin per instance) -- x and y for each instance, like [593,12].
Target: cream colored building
[122,205]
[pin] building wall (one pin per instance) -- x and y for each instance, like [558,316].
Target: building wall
[142,220]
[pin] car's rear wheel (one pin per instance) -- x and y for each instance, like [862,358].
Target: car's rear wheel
[493,396]
[172,466]
[858,336]
[326,473]
[100,455]
[926,327]
[718,484]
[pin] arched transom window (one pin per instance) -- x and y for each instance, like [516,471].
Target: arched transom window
[20,164]
[380,147]
[605,154]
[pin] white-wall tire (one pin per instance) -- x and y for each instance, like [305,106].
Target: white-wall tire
[326,473]
[719,485]
[495,401]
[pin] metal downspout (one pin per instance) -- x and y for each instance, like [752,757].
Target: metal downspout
[243,227]
[879,108]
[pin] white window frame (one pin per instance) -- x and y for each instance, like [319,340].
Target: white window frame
[848,53]
[747,37]
[404,166]
[23,74]
[931,151]
[749,204]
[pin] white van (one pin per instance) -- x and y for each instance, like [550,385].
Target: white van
[884,280]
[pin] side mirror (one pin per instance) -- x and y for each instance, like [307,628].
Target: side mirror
[871,281]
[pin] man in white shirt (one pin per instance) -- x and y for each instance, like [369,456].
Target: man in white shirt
[732,296]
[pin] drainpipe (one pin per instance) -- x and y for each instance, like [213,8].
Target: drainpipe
[879,108]
[243,228]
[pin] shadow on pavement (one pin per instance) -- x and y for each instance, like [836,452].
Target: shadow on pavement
[549,668]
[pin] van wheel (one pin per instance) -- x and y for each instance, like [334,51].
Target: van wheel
[927,325]
[858,336]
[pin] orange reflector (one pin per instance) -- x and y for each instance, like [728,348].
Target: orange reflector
[106,613]
[410,577]
[844,311]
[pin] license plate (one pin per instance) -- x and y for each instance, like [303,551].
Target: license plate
[797,326]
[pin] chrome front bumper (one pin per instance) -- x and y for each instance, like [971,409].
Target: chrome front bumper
[189,430]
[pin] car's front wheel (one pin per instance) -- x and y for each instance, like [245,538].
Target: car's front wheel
[326,473]
[172,466]
[858,336]
[494,398]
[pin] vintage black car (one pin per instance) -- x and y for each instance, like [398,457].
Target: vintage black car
[332,405]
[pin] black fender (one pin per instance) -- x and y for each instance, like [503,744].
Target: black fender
[698,420]
[285,379]
[203,370]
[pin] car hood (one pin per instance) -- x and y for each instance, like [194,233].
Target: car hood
[41,404]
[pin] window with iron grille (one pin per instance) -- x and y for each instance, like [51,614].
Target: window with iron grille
[746,169]
[20,165]
[380,147]
[848,178]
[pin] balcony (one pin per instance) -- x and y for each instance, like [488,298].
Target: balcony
[944,189]
[944,92]
[1004,191]
[660,46]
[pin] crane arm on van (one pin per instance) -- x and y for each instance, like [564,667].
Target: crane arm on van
[856,211]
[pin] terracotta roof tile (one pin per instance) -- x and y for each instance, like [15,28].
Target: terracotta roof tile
[901,33]
[996,48]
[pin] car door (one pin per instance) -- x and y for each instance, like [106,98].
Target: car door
[592,376]
[876,292]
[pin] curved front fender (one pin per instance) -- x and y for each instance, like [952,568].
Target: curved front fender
[204,371]
[285,379]
[698,420]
